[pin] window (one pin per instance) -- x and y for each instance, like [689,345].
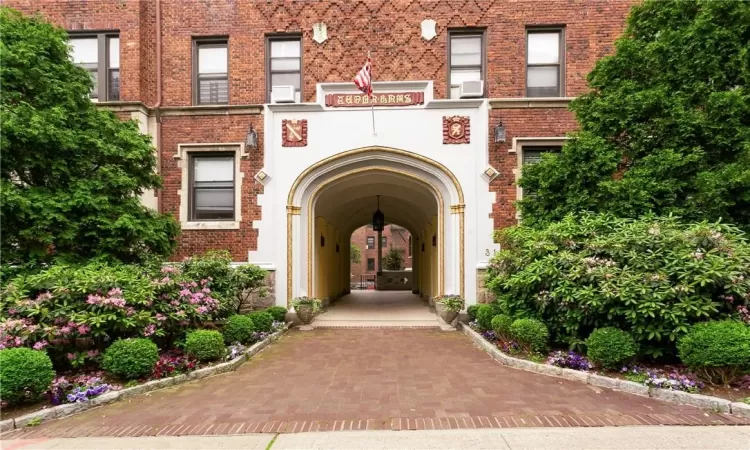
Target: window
[212,195]
[284,63]
[384,241]
[533,154]
[370,241]
[100,55]
[210,72]
[409,247]
[370,264]
[466,54]
[545,60]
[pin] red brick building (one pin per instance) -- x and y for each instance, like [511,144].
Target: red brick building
[365,238]
[198,75]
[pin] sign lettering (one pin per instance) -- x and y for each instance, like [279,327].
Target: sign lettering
[389,99]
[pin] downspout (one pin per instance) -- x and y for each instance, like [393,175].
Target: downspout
[157,106]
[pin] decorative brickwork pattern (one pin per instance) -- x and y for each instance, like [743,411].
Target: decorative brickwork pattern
[390,29]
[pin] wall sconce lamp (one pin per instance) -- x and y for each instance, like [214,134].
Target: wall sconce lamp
[499,133]
[251,141]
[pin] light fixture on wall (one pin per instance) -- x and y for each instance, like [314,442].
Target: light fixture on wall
[251,141]
[499,133]
[378,219]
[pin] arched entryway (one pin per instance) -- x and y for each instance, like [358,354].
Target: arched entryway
[333,197]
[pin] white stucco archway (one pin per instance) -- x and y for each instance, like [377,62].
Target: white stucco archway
[415,182]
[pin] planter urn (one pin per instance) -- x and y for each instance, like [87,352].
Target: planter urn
[305,313]
[445,314]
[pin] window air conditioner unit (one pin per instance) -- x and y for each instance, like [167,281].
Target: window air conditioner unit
[282,94]
[471,89]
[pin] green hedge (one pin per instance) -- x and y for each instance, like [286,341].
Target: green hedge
[610,347]
[719,352]
[238,328]
[531,334]
[651,277]
[130,358]
[205,345]
[25,374]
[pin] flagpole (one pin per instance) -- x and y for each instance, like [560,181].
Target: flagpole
[372,105]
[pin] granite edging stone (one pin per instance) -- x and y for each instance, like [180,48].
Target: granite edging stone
[698,400]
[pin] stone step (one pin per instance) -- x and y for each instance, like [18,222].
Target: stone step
[375,323]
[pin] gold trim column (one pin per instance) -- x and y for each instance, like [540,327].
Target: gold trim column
[459,209]
[291,210]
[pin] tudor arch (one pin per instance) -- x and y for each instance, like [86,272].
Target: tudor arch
[332,198]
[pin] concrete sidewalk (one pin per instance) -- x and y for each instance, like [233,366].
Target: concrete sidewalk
[630,438]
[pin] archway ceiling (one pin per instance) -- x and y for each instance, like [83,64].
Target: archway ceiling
[350,203]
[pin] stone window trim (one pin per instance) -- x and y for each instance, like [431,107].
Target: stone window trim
[467,32]
[560,30]
[104,91]
[208,42]
[183,162]
[276,37]
[519,143]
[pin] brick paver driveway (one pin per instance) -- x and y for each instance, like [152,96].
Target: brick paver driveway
[370,378]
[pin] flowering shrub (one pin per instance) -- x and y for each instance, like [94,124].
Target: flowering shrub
[78,388]
[658,378]
[569,360]
[76,311]
[173,363]
[234,351]
[651,277]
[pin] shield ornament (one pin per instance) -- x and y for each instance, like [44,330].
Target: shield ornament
[294,133]
[320,32]
[456,130]
[428,29]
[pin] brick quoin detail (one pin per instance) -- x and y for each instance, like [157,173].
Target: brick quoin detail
[389,29]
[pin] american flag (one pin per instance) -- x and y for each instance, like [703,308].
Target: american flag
[363,80]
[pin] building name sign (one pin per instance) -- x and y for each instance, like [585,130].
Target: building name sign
[385,99]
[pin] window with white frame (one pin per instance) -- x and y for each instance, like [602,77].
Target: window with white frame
[99,54]
[545,62]
[284,63]
[212,186]
[466,62]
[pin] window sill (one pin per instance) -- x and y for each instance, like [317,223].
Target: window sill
[211,225]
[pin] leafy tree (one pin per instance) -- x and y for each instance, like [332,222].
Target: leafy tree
[71,174]
[393,260]
[355,254]
[666,126]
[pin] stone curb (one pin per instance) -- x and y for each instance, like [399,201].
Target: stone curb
[716,404]
[69,409]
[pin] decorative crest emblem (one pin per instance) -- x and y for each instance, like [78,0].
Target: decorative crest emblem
[294,133]
[320,32]
[428,29]
[456,130]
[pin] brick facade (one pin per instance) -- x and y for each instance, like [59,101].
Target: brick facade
[390,29]
[396,237]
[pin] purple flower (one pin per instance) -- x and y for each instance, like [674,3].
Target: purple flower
[149,330]
[40,345]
